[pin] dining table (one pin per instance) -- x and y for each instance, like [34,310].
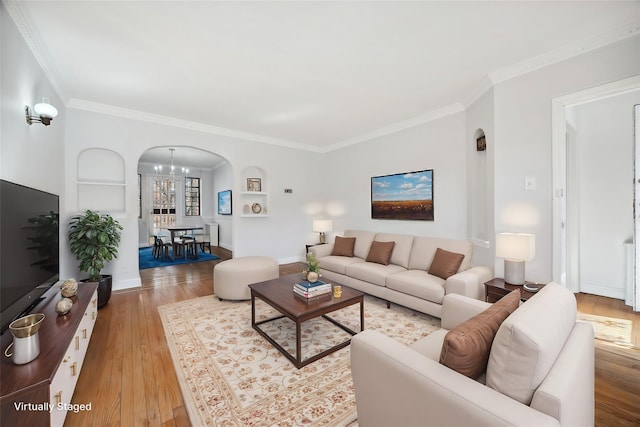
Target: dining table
[181,229]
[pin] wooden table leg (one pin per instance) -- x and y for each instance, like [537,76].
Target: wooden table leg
[298,344]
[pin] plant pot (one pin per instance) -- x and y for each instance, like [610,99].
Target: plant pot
[312,276]
[104,289]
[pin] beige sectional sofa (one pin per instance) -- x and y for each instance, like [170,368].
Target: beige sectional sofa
[405,280]
[539,370]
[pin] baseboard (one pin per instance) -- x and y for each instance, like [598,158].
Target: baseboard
[127,284]
[290,260]
[604,291]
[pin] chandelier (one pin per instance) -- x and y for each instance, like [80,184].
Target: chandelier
[173,174]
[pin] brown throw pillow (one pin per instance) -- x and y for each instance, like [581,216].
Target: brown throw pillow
[445,263]
[466,347]
[343,246]
[380,252]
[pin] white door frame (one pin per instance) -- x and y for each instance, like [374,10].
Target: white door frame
[566,249]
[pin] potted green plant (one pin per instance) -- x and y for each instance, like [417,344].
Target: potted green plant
[313,268]
[94,240]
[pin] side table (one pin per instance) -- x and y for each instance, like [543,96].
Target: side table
[496,288]
[306,247]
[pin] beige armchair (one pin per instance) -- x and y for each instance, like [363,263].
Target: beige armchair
[540,371]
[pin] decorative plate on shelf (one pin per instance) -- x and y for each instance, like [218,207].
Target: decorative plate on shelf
[256,208]
[246,209]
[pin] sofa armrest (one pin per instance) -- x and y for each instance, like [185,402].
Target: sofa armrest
[321,250]
[469,282]
[457,309]
[567,392]
[397,386]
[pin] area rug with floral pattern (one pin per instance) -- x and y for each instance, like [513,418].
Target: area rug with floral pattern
[229,375]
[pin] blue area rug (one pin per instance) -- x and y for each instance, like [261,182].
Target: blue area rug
[148,261]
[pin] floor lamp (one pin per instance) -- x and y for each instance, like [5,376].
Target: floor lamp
[516,249]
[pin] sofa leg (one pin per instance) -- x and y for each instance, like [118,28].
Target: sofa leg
[388,304]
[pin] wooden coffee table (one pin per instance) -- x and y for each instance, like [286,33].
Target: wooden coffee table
[278,293]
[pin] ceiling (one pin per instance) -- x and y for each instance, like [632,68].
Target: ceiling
[314,75]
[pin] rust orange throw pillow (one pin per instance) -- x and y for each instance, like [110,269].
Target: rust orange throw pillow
[466,347]
[380,252]
[445,263]
[343,246]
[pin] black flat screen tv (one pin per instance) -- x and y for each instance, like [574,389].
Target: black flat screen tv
[29,248]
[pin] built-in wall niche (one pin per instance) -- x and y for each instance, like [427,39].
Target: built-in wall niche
[254,197]
[101,180]
[479,184]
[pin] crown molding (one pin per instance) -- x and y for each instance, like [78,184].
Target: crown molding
[143,116]
[20,15]
[626,30]
[399,126]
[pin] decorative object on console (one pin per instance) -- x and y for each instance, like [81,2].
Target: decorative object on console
[64,306]
[94,240]
[322,226]
[173,175]
[69,288]
[26,343]
[45,113]
[391,200]
[254,184]
[515,248]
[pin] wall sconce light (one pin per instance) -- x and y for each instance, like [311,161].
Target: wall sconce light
[45,112]
[515,248]
[322,226]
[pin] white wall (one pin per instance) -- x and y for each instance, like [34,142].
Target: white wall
[523,141]
[605,168]
[480,166]
[439,145]
[223,180]
[29,155]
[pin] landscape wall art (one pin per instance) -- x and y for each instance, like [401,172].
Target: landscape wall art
[405,196]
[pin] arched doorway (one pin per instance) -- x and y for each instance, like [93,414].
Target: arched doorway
[187,197]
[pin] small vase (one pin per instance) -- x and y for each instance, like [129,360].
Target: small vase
[312,276]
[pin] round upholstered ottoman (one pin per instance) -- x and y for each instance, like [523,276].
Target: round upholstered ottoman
[231,277]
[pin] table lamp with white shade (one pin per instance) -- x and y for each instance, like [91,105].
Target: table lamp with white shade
[516,249]
[322,226]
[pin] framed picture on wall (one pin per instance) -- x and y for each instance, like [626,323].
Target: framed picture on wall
[254,184]
[224,202]
[407,196]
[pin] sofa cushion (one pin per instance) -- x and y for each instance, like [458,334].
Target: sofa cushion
[380,252]
[372,272]
[402,248]
[466,347]
[424,250]
[529,342]
[343,246]
[338,264]
[445,263]
[418,283]
[363,241]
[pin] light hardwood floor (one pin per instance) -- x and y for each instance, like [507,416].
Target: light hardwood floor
[129,379]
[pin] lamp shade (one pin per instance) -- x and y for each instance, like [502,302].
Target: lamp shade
[44,109]
[516,246]
[322,225]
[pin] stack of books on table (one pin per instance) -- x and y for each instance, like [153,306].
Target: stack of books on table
[312,289]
